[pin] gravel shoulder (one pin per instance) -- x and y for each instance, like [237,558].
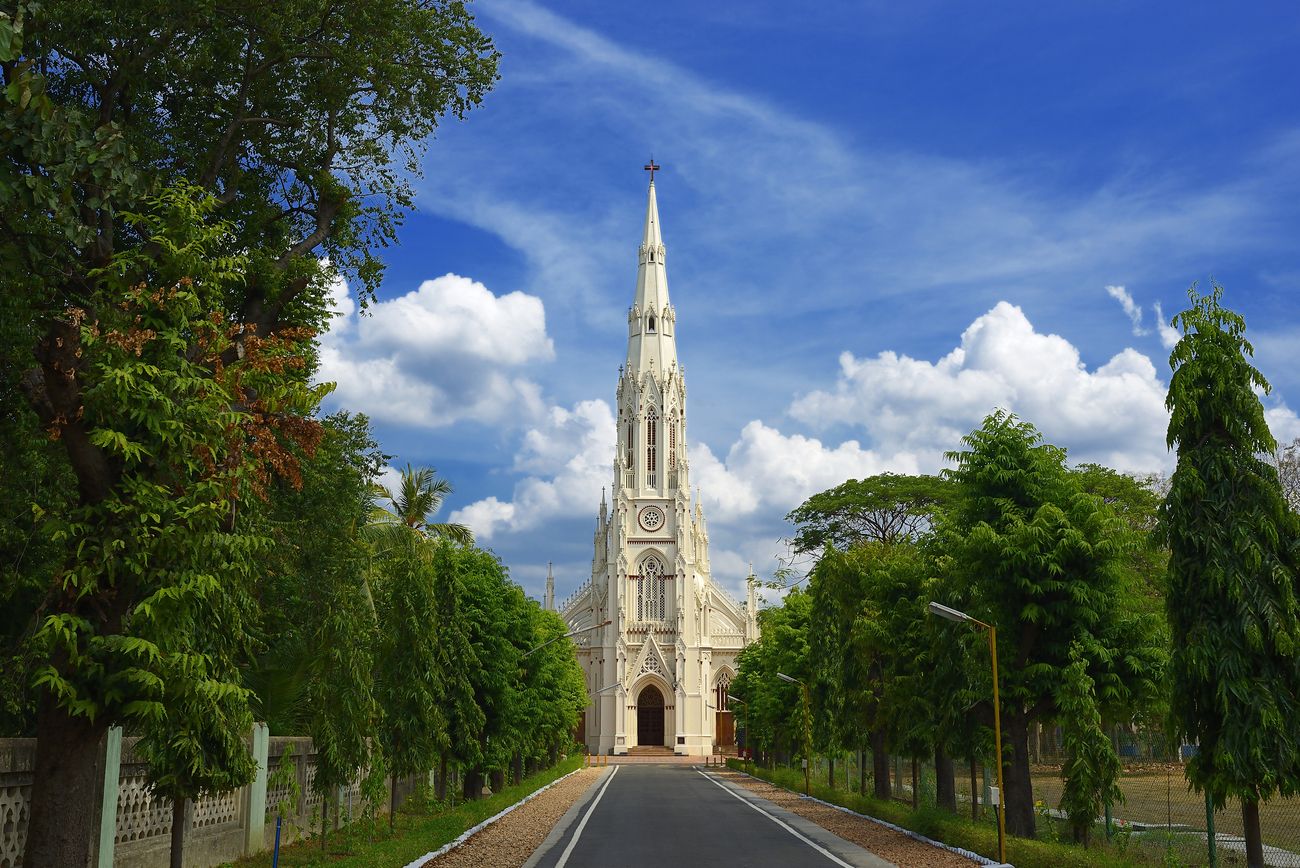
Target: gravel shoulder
[509,841]
[886,843]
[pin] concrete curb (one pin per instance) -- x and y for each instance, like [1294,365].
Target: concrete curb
[915,836]
[469,833]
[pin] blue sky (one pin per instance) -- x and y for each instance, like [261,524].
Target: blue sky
[883,220]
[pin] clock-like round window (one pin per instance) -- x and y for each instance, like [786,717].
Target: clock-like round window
[652,518]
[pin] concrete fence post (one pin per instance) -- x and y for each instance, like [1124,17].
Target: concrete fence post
[255,800]
[108,803]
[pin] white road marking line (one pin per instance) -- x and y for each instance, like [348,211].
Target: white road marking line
[782,823]
[573,842]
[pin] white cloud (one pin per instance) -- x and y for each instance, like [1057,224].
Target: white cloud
[1169,336]
[1132,309]
[766,470]
[1114,415]
[912,411]
[1284,423]
[568,457]
[442,354]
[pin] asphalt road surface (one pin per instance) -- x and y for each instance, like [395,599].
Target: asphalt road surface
[645,816]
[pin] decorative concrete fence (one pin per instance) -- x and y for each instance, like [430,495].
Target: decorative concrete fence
[135,826]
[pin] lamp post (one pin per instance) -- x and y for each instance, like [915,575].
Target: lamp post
[567,635]
[807,731]
[746,747]
[953,615]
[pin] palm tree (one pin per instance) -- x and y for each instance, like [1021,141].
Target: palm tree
[419,495]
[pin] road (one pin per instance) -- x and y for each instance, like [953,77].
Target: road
[644,816]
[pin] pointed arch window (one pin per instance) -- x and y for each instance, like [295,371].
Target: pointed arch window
[629,451]
[651,592]
[651,447]
[720,701]
[672,442]
[651,327]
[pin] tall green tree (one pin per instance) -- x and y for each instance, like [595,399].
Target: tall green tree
[318,631]
[1043,561]
[455,663]
[151,596]
[306,123]
[772,709]
[1234,570]
[490,606]
[412,725]
[859,598]
[554,689]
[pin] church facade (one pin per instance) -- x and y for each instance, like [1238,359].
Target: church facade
[659,671]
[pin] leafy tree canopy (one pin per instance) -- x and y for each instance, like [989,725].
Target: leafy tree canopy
[885,508]
[1234,563]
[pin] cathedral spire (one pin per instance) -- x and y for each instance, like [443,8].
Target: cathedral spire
[549,603]
[651,321]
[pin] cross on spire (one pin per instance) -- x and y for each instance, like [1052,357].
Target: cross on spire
[652,167]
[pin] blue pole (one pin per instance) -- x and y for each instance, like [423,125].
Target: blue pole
[275,855]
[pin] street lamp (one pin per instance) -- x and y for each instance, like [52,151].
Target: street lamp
[746,746]
[567,635]
[807,731]
[953,615]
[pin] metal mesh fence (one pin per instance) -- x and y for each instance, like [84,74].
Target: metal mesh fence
[1160,822]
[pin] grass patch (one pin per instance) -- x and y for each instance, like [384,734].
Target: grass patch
[418,831]
[982,837]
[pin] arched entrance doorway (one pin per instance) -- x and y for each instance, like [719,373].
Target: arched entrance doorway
[650,717]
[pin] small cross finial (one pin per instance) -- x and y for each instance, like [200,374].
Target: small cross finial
[652,167]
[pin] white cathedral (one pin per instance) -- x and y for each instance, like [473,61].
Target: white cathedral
[658,673]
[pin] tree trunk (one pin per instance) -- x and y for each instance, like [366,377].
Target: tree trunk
[392,799]
[974,791]
[1254,840]
[916,783]
[67,788]
[441,785]
[880,763]
[1018,800]
[862,772]
[324,820]
[178,831]
[945,788]
[519,769]
[498,779]
[473,784]
[830,770]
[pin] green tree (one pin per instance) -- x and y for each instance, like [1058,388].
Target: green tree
[554,689]
[455,662]
[318,630]
[412,726]
[1043,561]
[885,508]
[1091,768]
[490,606]
[1233,572]
[773,709]
[151,597]
[1136,501]
[419,495]
[306,123]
